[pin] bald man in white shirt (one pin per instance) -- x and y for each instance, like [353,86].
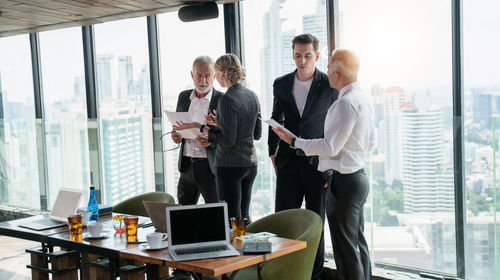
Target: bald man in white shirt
[348,137]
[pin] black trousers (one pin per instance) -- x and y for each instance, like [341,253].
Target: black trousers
[234,185]
[345,203]
[197,179]
[300,180]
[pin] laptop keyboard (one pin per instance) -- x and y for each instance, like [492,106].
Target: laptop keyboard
[201,250]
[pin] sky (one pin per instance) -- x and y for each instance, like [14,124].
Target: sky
[400,42]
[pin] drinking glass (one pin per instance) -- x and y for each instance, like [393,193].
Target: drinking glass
[131,223]
[75,227]
[239,225]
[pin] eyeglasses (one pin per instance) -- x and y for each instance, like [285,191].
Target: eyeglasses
[170,149]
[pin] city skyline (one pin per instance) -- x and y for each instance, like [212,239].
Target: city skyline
[412,164]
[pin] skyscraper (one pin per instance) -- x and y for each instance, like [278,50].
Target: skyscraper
[481,107]
[104,89]
[271,54]
[427,182]
[316,25]
[393,98]
[125,77]
[127,168]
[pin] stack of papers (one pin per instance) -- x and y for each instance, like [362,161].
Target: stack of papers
[185,117]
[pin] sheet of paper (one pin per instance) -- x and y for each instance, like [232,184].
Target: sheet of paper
[185,117]
[275,124]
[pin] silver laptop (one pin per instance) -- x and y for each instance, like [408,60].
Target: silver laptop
[65,205]
[199,232]
[156,211]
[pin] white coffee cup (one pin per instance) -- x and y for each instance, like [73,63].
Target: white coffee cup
[155,238]
[95,229]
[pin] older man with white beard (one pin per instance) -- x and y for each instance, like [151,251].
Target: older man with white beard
[196,159]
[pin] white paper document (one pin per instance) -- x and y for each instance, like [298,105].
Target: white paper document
[275,124]
[185,117]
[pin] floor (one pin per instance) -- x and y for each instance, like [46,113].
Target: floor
[13,259]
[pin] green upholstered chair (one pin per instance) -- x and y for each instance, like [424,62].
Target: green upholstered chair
[300,224]
[134,206]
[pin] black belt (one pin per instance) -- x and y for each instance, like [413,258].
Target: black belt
[330,172]
[195,159]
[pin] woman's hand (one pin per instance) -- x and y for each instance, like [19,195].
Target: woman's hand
[210,118]
[202,141]
[183,125]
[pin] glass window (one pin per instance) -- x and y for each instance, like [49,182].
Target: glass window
[482,108]
[406,68]
[18,155]
[123,88]
[65,110]
[269,29]
[178,52]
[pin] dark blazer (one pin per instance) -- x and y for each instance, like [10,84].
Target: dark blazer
[183,103]
[311,124]
[238,125]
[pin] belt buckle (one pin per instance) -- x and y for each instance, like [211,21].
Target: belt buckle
[193,159]
[299,152]
[328,173]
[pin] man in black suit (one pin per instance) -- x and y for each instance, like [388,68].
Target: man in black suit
[301,101]
[196,161]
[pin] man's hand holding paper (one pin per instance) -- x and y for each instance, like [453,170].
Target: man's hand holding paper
[184,125]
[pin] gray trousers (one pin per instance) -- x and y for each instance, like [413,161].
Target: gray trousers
[345,200]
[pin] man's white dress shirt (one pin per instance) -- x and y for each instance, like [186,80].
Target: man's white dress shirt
[197,108]
[349,133]
[300,92]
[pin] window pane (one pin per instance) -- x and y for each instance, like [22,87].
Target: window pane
[65,110]
[205,38]
[406,67]
[482,106]
[122,66]
[18,154]
[269,28]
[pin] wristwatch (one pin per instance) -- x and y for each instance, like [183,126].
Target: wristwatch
[292,143]
[202,127]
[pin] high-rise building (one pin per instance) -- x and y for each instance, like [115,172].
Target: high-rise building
[104,89]
[393,99]
[125,77]
[127,163]
[271,54]
[316,25]
[481,107]
[142,87]
[427,182]
[79,89]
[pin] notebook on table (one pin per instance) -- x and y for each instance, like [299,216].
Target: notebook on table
[65,205]
[199,232]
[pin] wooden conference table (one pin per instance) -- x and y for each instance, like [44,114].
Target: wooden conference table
[115,247]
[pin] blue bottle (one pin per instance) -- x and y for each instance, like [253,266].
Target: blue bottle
[93,207]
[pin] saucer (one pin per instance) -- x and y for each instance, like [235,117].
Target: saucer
[145,246]
[87,235]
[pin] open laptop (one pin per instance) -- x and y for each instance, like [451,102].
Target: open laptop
[199,232]
[156,211]
[65,205]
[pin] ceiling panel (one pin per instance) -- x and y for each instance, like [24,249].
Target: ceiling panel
[28,16]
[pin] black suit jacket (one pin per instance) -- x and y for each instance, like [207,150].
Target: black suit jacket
[183,103]
[311,124]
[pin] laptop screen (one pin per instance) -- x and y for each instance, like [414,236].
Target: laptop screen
[197,225]
[66,203]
